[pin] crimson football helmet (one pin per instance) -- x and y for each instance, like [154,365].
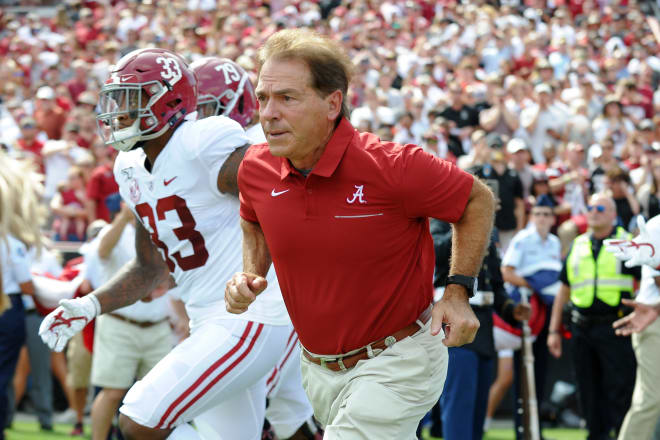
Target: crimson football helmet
[149,91]
[224,89]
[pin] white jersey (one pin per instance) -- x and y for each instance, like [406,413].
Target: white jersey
[256,134]
[196,227]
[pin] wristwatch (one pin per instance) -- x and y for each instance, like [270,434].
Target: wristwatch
[470,283]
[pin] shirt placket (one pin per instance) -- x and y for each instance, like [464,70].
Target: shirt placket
[308,194]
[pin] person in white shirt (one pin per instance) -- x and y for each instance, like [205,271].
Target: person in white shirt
[642,417]
[225,89]
[20,220]
[541,123]
[130,341]
[641,250]
[178,176]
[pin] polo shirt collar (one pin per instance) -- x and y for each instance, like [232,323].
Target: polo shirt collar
[332,154]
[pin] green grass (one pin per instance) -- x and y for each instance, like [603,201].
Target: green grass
[30,431]
[507,434]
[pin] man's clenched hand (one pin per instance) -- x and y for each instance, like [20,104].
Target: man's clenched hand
[242,290]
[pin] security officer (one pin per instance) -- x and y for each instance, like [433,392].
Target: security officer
[470,373]
[533,261]
[595,281]
[16,280]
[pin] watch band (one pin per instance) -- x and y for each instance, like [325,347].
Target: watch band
[470,283]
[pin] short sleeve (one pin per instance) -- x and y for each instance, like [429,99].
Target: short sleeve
[514,253]
[517,187]
[432,187]
[21,262]
[216,139]
[563,275]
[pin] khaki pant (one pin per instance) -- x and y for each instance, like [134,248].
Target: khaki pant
[380,398]
[644,411]
[124,352]
[79,363]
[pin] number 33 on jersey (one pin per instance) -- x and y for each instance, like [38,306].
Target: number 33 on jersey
[179,204]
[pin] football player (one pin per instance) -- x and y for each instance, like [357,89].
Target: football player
[178,176]
[224,88]
[644,249]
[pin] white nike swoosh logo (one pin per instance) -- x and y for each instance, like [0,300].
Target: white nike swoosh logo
[275,194]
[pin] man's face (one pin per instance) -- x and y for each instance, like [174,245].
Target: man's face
[601,213]
[295,118]
[617,186]
[544,99]
[543,218]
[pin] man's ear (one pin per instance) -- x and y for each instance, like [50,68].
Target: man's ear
[335,100]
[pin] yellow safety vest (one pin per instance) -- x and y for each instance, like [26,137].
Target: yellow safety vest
[602,278]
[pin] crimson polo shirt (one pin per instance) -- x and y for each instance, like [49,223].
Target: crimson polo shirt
[351,243]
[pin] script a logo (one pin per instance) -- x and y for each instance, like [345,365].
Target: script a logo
[357,195]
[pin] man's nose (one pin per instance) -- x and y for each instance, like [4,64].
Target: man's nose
[268,109]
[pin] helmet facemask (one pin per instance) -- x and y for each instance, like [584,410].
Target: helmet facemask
[221,105]
[125,116]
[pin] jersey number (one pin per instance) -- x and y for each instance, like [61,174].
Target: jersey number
[186,231]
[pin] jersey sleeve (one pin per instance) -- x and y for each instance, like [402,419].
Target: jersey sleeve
[216,138]
[432,187]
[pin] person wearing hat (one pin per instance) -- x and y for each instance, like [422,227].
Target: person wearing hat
[544,70]
[507,188]
[464,116]
[50,117]
[543,122]
[594,282]
[28,144]
[519,159]
[533,262]
[462,405]
[613,123]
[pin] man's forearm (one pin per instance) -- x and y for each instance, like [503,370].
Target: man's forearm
[132,283]
[472,231]
[256,256]
[519,213]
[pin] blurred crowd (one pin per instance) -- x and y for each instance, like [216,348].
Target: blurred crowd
[556,98]
[560,93]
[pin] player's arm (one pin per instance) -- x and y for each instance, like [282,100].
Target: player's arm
[228,175]
[244,287]
[138,278]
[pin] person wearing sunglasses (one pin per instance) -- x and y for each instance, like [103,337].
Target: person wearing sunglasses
[531,263]
[595,282]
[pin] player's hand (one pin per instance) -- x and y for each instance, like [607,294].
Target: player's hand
[454,311]
[522,312]
[554,344]
[642,316]
[242,290]
[643,249]
[68,319]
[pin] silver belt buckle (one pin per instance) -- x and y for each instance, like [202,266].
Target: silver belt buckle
[324,361]
[390,341]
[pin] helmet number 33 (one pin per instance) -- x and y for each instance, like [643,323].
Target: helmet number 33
[171,70]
